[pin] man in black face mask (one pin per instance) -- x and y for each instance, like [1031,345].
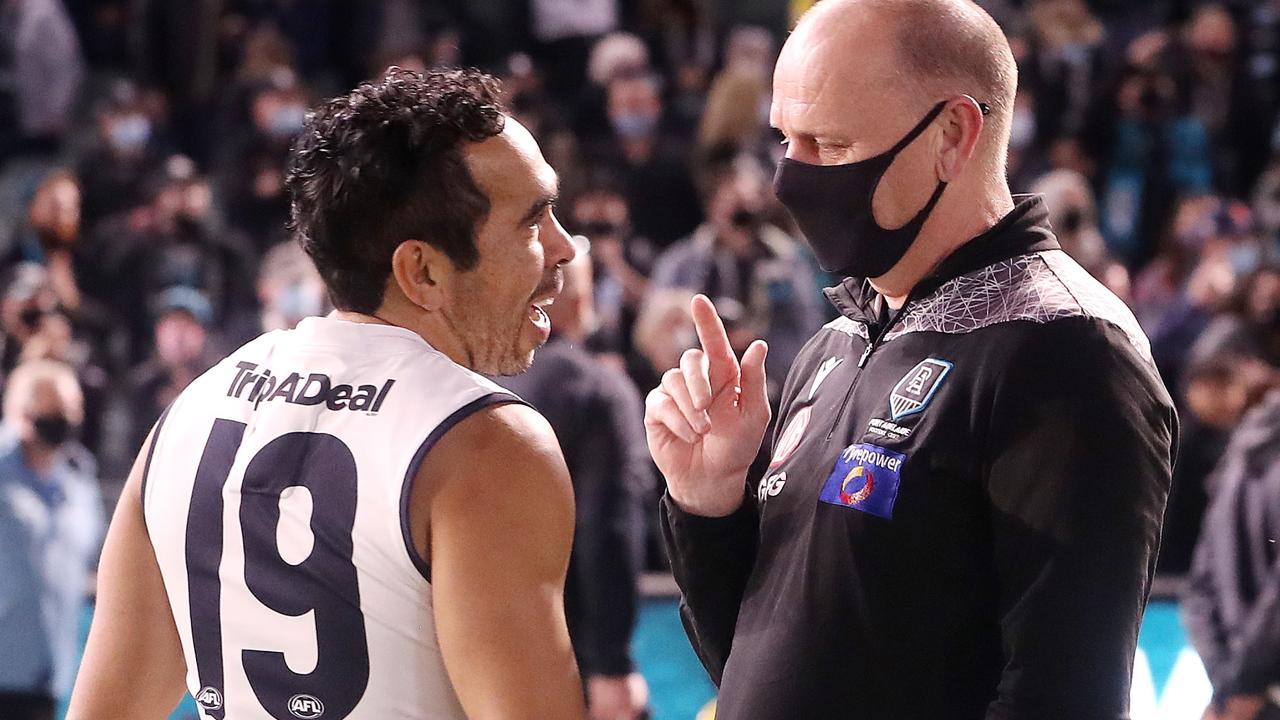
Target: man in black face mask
[963,505]
[50,529]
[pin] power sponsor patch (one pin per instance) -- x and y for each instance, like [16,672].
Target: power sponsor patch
[865,478]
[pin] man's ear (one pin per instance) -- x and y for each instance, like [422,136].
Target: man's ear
[962,125]
[422,272]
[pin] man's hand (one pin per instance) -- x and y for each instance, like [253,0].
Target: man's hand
[616,698]
[707,419]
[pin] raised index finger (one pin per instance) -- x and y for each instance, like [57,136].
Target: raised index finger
[722,363]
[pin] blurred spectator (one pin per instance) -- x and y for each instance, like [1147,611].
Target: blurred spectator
[663,331]
[182,353]
[289,288]
[737,106]
[51,523]
[1224,247]
[622,263]
[1232,604]
[1219,391]
[51,233]
[251,179]
[563,33]
[127,150]
[1250,325]
[175,240]
[29,298]
[759,277]
[40,73]
[616,55]
[1223,98]
[1155,154]
[177,48]
[597,415]
[1069,62]
[661,195]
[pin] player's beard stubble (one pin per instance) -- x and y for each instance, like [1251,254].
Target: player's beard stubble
[494,331]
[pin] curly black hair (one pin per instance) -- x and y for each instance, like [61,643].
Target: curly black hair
[384,164]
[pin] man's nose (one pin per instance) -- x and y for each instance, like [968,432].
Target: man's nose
[558,245]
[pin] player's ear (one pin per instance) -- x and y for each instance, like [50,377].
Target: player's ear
[421,271]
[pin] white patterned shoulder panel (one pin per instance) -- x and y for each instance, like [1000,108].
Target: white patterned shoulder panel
[1039,287]
[848,327]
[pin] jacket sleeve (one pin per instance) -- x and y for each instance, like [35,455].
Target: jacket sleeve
[711,559]
[611,478]
[1078,454]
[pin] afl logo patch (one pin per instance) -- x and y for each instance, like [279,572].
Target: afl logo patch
[305,706]
[916,389]
[209,698]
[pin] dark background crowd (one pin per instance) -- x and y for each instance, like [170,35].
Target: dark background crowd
[143,217]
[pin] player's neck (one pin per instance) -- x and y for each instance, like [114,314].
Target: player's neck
[434,328]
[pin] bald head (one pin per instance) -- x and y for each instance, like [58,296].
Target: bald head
[899,57]
[927,84]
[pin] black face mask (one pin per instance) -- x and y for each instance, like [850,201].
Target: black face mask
[832,206]
[52,430]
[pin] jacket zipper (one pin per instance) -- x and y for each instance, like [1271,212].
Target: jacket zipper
[862,363]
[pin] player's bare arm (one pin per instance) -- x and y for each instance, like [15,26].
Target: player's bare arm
[492,511]
[133,664]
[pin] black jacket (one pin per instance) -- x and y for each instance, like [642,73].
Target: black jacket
[963,512]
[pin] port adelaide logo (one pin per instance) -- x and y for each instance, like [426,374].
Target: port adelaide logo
[916,389]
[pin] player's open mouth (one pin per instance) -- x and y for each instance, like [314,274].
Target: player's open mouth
[538,314]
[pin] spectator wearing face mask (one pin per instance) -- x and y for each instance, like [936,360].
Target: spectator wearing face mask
[128,147]
[289,289]
[51,522]
[740,260]
[251,169]
[661,195]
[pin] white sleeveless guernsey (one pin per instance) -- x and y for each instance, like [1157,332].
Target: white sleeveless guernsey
[275,495]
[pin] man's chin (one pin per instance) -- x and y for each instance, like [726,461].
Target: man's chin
[516,364]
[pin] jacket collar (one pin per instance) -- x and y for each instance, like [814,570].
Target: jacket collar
[1025,229]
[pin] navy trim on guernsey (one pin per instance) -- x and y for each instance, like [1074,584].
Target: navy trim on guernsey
[462,413]
[151,452]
